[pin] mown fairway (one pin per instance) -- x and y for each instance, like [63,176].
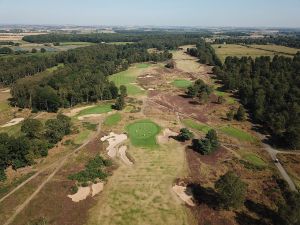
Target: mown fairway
[113,119]
[143,133]
[103,108]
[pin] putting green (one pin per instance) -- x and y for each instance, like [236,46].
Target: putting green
[143,133]
[182,83]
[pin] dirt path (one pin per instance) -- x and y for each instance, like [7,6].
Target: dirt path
[59,165]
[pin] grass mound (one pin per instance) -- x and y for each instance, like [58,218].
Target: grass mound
[182,83]
[113,119]
[196,125]
[96,110]
[237,133]
[143,133]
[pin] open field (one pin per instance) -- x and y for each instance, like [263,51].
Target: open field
[252,51]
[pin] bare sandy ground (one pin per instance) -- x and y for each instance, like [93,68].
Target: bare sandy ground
[74,112]
[113,140]
[13,122]
[165,136]
[84,192]
[181,191]
[6,91]
[123,156]
[89,116]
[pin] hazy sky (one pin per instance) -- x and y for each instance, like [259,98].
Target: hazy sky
[277,13]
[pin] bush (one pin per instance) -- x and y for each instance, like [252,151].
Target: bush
[185,135]
[207,145]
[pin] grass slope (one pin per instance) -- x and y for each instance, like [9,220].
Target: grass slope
[196,125]
[237,133]
[103,108]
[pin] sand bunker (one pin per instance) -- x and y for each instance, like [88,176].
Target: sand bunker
[84,192]
[151,89]
[123,156]
[148,76]
[183,195]
[13,122]
[166,136]
[73,112]
[113,140]
[6,91]
[97,188]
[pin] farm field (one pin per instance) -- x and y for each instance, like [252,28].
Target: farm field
[252,51]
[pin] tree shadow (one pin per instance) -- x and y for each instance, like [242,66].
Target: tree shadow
[204,195]
[243,219]
[263,211]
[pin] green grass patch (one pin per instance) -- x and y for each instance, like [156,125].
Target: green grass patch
[142,65]
[237,133]
[253,162]
[196,125]
[143,133]
[82,136]
[99,109]
[4,106]
[113,120]
[182,83]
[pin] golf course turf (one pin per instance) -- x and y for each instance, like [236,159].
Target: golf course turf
[143,133]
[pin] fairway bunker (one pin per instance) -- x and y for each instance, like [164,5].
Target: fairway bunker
[166,135]
[113,141]
[183,194]
[84,192]
[143,133]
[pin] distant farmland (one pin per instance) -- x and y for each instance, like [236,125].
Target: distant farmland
[225,50]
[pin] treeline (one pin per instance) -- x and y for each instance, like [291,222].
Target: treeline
[205,53]
[270,89]
[82,79]
[157,40]
[16,67]
[36,139]
[288,41]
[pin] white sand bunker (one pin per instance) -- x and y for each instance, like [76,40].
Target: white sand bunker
[73,112]
[166,136]
[113,140]
[151,89]
[123,156]
[13,122]
[181,191]
[84,192]
[144,77]
[6,91]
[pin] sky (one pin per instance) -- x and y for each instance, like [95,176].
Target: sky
[202,13]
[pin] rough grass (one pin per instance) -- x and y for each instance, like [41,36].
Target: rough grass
[196,125]
[237,133]
[3,106]
[128,78]
[143,133]
[240,51]
[141,194]
[99,109]
[113,119]
[182,83]
[82,136]
[228,99]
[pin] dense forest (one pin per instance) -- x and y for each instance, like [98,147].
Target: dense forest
[160,41]
[205,53]
[288,41]
[16,67]
[34,142]
[270,89]
[83,78]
